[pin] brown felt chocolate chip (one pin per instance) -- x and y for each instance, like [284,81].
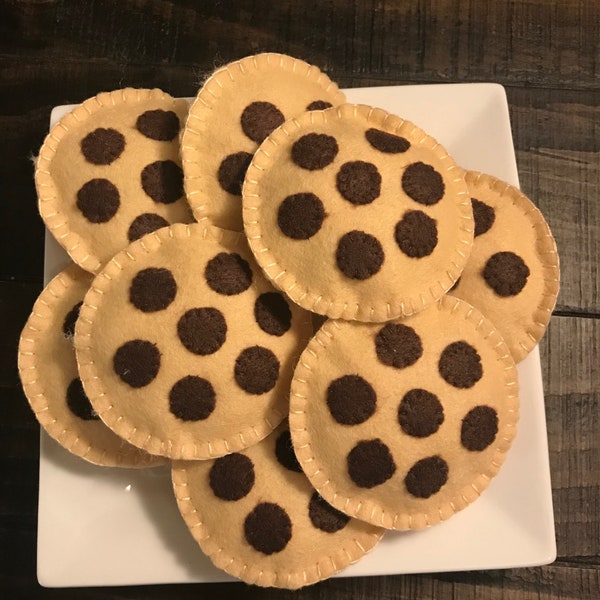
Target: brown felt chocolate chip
[479,428]
[359,182]
[102,146]
[161,125]
[300,216]
[272,313]
[202,330]
[231,477]
[314,151]
[351,399]
[268,528]
[228,274]
[506,273]
[460,365]
[137,362]
[398,345]
[370,463]
[192,398]
[483,215]
[232,171]
[68,327]
[78,403]
[420,413]
[256,370]
[423,183]
[152,289]
[416,234]
[98,200]
[386,142]
[319,105]
[359,255]
[163,181]
[324,517]
[426,477]
[259,119]
[284,451]
[144,224]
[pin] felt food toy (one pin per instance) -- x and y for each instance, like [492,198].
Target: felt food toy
[109,172]
[234,111]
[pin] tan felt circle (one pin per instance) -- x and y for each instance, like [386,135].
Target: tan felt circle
[518,227]
[366,469]
[301,554]
[215,130]
[48,368]
[407,252]
[166,360]
[112,190]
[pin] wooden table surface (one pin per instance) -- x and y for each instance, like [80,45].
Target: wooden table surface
[547,55]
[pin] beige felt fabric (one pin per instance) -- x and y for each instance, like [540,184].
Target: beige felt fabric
[47,366]
[213,129]
[218,525]
[322,445]
[306,269]
[61,170]
[519,227]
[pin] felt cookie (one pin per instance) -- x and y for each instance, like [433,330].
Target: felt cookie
[357,214]
[512,275]
[49,375]
[109,172]
[404,424]
[234,111]
[184,348]
[255,514]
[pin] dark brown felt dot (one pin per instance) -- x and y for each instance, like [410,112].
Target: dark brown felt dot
[423,183]
[319,105]
[268,528]
[359,182]
[231,477]
[202,330]
[359,255]
[192,398]
[351,399]
[152,289]
[420,413]
[232,171]
[98,200]
[228,274]
[162,180]
[483,215]
[161,125]
[144,224]
[314,151]
[426,477]
[479,428]
[300,216]
[272,313]
[137,362]
[78,402]
[416,234]
[102,146]
[68,327]
[256,370]
[398,345]
[370,463]
[284,451]
[386,142]
[324,516]
[460,365]
[259,119]
[506,273]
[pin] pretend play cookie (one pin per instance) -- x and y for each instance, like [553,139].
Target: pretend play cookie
[512,275]
[184,348]
[405,423]
[234,111]
[255,514]
[49,375]
[109,172]
[357,214]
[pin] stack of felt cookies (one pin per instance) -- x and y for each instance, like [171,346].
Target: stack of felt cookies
[210,241]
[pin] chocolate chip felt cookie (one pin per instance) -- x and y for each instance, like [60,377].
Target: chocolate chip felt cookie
[234,111]
[49,375]
[184,348]
[357,214]
[255,514]
[512,275]
[405,423]
[109,172]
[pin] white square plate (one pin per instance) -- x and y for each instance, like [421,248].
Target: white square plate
[101,526]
